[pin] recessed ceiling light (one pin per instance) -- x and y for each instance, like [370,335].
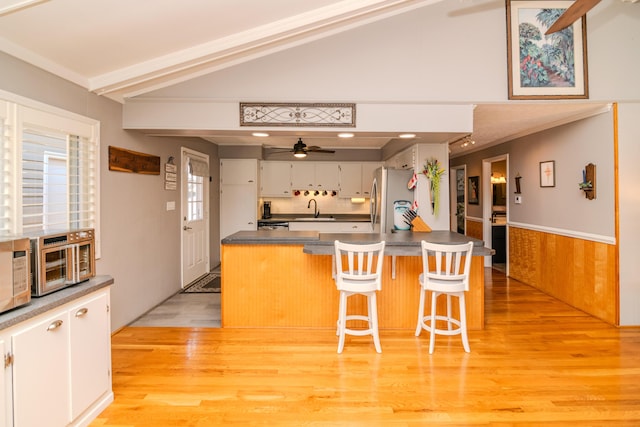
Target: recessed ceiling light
[407,135]
[260,134]
[345,135]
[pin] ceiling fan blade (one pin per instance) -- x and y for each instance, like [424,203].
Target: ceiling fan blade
[316,149]
[572,14]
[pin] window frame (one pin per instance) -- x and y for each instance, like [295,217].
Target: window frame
[15,111]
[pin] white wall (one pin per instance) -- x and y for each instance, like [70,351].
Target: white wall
[629,196]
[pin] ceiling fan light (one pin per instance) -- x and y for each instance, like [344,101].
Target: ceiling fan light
[299,154]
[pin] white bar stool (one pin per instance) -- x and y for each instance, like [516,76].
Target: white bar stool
[442,276]
[362,275]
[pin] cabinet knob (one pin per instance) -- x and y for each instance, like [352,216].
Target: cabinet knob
[82,312]
[54,325]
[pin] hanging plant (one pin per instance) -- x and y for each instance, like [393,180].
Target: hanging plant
[433,172]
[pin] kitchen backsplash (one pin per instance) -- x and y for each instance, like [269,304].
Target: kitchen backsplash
[326,205]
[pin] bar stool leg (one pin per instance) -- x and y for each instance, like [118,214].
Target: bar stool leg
[433,322]
[342,320]
[373,320]
[421,312]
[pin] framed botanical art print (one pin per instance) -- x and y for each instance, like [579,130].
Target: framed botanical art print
[548,174]
[543,66]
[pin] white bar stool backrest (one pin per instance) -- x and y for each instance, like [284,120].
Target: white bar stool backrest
[441,266]
[363,269]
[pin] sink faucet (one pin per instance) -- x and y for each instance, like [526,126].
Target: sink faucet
[316,212]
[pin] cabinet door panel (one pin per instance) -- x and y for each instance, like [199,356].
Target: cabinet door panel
[368,171]
[327,176]
[275,179]
[238,171]
[5,419]
[90,352]
[41,392]
[303,176]
[238,208]
[351,180]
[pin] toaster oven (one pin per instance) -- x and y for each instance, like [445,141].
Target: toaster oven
[62,259]
[14,280]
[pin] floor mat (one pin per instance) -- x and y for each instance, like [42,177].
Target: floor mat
[206,284]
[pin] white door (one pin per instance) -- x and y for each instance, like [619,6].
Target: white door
[195,215]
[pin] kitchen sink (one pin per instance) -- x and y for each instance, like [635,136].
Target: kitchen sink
[321,218]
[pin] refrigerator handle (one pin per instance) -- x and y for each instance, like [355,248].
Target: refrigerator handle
[373,203]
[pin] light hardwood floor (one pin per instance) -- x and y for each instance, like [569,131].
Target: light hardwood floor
[537,362]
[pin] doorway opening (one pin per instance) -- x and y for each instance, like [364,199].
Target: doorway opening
[458,198]
[495,201]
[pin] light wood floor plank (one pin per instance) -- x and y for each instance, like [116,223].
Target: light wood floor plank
[537,361]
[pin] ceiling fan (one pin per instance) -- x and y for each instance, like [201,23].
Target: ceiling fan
[300,149]
[578,9]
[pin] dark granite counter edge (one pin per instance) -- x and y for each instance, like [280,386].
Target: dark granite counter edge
[56,299]
[407,244]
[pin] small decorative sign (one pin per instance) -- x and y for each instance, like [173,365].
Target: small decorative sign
[296,114]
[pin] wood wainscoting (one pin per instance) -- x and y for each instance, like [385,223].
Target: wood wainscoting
[279,286]
[474,229]
[580,272]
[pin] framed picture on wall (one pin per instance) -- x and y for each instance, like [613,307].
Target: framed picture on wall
[542,66]
[473,192]
[548,173]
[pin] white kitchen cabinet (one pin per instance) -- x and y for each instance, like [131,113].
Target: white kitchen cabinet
[60,365]
[4,413]
[303,175]
[356,178]
[238,171]
[330,226]
[315,176]
[404,160]
[351,180]
[275,179]
[238,200]
[368,172]
[41,373]
[90,344]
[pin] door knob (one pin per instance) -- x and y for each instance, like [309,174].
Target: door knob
[185,228]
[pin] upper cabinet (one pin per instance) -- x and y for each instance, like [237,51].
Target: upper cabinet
[350,179]
[356,178]
[404,160]
[238,171]
[314,176]
[275,179]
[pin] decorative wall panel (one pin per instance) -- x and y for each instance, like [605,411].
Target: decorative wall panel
[295,114]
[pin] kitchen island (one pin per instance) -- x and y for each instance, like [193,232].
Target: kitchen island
[283,279]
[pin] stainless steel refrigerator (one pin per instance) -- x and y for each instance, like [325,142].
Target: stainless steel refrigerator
[389,186]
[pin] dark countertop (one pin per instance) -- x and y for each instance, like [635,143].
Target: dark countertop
[402,243]
[45,303]
[309,217]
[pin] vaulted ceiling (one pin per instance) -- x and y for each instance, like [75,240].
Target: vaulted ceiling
[123,48]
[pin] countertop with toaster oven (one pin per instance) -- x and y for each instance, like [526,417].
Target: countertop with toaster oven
[45,303]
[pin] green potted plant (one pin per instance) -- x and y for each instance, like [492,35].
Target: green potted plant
[433,171]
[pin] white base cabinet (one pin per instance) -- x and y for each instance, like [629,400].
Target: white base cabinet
[59,369]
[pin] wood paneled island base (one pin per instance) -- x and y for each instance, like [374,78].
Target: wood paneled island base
[278,285]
